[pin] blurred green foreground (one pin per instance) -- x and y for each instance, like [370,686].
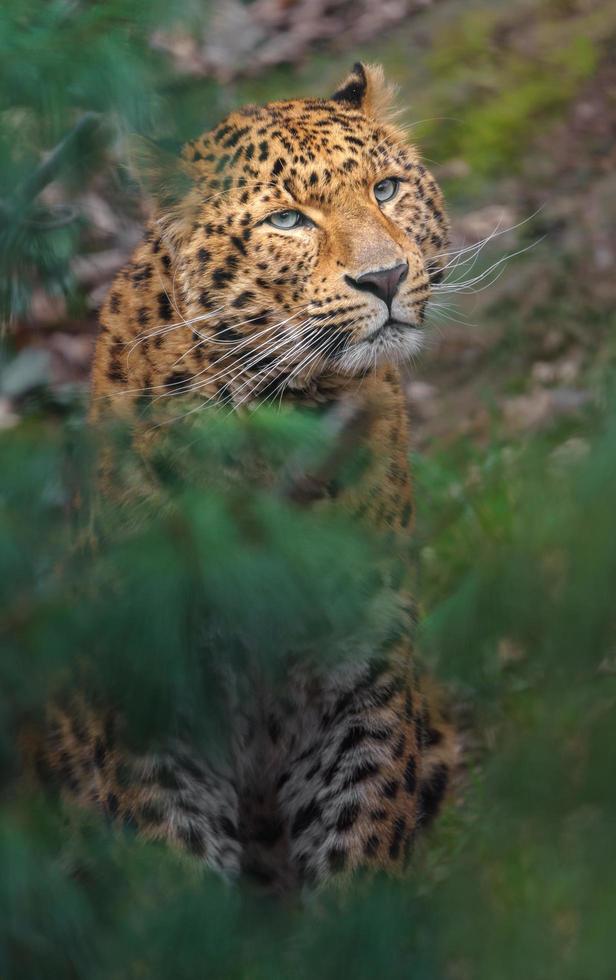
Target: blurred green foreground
[515,547]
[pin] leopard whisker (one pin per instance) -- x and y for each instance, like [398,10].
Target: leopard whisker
[252,382]
[441,311]
[465,286]
[273,370]
[197,408]
[279,387]
[161,331]
[248,340]
[497,232]
[182,384]
[304,342]
[236,368]
[312,357]
[206,339]
[258,352]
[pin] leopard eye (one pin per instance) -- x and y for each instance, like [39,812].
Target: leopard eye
[386,189]
[285,220]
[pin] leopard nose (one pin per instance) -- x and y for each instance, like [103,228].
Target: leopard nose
[382,283]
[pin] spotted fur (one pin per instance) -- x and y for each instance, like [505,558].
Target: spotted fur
[219,304]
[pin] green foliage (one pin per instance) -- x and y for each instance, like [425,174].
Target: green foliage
[60,61]
[517,567]
[204,572]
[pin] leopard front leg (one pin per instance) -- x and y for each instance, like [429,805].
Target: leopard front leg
[350,796]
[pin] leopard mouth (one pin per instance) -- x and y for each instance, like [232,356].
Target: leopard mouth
[395,341]
[389,325]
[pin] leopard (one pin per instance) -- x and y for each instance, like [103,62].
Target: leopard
[296,264]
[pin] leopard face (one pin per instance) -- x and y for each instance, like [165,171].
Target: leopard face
[305,247]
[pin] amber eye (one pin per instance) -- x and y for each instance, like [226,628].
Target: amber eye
[386,189]
[285,220]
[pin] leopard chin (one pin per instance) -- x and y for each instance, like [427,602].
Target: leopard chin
[394,343]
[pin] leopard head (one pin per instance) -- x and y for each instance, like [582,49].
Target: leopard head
[310,236]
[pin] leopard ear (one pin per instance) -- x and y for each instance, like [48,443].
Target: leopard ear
[366,89]
[163,177]
[169,182]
